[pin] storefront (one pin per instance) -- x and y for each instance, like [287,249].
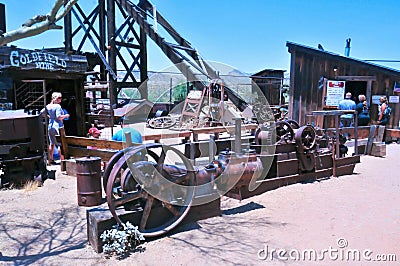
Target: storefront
[28,78]
[313,70]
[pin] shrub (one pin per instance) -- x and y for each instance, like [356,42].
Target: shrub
[121,238]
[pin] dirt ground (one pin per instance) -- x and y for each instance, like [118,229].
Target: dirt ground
[337,218]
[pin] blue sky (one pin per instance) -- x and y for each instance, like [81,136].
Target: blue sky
[251,35]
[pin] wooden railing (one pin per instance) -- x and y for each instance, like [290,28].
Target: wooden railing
[73,146]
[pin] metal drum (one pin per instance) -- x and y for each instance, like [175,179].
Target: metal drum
[88,174]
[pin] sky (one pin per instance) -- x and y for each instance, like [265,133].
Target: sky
[251,35]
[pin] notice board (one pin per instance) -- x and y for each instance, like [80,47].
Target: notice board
[334,92]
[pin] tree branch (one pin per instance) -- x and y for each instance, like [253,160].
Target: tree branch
[57,5]
[34,20]
[67,8]
[39,23]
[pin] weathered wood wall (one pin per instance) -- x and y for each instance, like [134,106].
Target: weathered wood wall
[56,70]
[308,65]
[270,82]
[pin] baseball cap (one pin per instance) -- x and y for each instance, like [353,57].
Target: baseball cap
[94,130]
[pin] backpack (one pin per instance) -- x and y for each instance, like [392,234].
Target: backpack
[388,110]
[365,110]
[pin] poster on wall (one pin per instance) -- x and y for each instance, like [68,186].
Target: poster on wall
[393,99]
[334,92]
[375,99]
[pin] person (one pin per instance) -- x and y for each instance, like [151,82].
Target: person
[383,118]
[93,133]
[346,120]
[56,115]
[120,134]
[362,109]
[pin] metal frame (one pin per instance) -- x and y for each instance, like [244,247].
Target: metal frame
[337,114]
[181,53]
[112,43]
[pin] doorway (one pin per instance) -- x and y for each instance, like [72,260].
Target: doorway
[356,88]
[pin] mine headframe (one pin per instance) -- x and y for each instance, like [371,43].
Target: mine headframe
[128,42]
[118,43]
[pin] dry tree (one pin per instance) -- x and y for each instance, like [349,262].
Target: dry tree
[39,23]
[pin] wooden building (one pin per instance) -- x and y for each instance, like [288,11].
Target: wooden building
[312,68]
[28,78]
[270,82]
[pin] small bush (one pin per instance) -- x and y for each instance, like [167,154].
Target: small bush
[121,238]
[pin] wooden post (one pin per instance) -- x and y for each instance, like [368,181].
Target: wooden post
[64,144]
[128,138]
[371,135]
[355,133]
[337,135]
[333,156]
[381,131]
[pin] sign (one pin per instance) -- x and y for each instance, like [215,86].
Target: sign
[334,92]
[394,99]
[47,60]
[40,60]
[375,99]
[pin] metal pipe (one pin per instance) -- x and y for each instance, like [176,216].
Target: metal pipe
[238,135]
[191,153]
[211,149]
[347,49]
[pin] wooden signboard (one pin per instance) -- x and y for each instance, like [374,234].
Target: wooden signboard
[22,59]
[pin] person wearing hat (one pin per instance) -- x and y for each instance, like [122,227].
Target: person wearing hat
[346,120]
[95,134]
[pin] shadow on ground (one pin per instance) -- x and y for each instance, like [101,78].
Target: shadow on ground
[39,238]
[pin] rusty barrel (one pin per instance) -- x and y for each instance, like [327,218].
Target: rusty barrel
[88,175]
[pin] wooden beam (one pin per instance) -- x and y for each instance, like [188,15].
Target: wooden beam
[105,155]
[77,146]
[221,129]
[99,143]
[357,78]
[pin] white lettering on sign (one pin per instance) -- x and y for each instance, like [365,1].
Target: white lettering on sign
[40,59]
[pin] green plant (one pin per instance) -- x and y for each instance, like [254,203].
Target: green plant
[180,92]
[121,238]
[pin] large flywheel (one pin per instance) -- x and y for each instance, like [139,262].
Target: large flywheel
[284,132]
[305,137]
[146,187]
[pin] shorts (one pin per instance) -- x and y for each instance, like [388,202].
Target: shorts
[52,137]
